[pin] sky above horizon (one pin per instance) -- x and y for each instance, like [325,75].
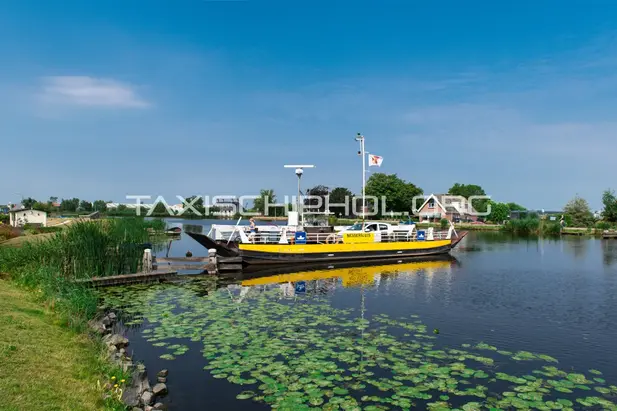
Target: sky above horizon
[99,100]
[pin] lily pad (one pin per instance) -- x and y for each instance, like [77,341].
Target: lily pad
[245,395]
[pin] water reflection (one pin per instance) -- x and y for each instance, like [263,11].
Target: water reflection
[193,228]
[324,281]
[609,252]
[576,246]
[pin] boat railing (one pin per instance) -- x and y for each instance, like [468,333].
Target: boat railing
[288,237]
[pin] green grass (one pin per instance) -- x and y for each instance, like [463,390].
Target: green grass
[47,361]
[21,240]
[43,364]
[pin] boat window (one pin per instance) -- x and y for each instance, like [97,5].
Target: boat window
[371,227]
[383,227]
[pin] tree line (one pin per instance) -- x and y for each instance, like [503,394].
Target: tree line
[400,194]
[69,205]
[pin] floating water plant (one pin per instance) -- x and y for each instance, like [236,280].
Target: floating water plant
[298,355]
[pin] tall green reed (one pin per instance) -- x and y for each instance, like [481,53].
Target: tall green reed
[533,226]
[83,250]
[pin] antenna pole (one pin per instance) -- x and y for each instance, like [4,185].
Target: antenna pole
[360,138]
[299,170]
[299,193]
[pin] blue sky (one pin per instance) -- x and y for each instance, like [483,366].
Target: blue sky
[101,99]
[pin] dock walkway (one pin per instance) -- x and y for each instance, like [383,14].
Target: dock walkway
[153,276]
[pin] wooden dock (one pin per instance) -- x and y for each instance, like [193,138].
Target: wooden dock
[153,276]
[579,233]
[166,269]
[182,263]
[575,231]
[227,264]
[609,234]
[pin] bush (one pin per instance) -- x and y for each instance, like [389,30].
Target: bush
[551,228]
[7,232]
[603,225]
[49,229]
[4,218]
[444,223]
[523,226]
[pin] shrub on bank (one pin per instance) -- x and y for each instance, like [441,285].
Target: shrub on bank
[7,232]
[551,228]
[533,226]
[523,226]
[604,225]
[36,229]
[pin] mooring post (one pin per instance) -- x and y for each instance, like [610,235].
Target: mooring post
[147,261]
[213,265]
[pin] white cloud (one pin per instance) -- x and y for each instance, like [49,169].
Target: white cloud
[90,91]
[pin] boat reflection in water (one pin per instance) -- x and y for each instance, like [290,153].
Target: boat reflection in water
[324,279]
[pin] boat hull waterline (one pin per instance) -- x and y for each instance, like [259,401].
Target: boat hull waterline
[319,253]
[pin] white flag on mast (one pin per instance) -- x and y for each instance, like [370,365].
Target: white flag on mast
[374,160]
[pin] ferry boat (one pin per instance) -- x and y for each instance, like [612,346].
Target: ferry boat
[364,241]
[295,244]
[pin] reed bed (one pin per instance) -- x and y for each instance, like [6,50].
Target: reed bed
[533,226]
[82,250]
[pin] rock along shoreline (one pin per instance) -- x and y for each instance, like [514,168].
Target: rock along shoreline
[139,395]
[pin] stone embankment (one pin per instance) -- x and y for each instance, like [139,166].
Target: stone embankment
[139,395]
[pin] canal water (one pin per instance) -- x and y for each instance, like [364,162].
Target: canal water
[506,323]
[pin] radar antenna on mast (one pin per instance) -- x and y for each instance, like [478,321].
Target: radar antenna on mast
[299,171]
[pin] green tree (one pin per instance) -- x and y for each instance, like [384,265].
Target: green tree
[85,205]
[579,212]
[340,195]
[515,207]
[468,190]
[444,223]
[317,191]
[265,196]
[398,193]
[610,206]
[159,209]
[69,205]
[99,205]
[41,206]
[499,212]
[28,202]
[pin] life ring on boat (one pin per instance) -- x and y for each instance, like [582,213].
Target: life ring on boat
[331,239]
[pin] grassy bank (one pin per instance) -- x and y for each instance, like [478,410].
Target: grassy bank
[56,342]
[43,364]
[21,240]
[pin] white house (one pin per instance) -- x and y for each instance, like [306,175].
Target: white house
[21,216]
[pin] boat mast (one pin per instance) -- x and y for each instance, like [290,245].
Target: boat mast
[360,138]
[299,172]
